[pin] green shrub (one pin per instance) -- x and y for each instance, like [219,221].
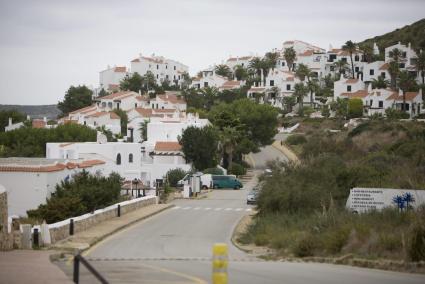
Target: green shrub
[175,175]
[355,108]
[296,139]
[391,113]
[261,240]
[213,171]
[236,169]
[416,245]
[305,246]
[336,239]
[83,194]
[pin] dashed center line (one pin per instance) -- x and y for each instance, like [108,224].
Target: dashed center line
[227,209]
[188,207]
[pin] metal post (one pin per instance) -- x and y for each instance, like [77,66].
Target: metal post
[119,210]
[71,227]
[76,269]
[35,238]
[144,192]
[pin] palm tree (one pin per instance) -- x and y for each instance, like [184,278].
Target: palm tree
[420,65]
[229,137]
[350,47]
[240,72]
[394,70]
[210,95]
[395,54]
[303,72]
[341,65]
[272,58]
[380,83]
[407,83]
[288,102]
[300,91]
[313,87]
[223,70]
[290,56]
[256,65]
[367,50]
[143,128]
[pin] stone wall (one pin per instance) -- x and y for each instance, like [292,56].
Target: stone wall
[60,230]
[6,239]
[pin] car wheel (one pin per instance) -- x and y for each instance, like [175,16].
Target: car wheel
[204,187]
[236,187]
[215,186]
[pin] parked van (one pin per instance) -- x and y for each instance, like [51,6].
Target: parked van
[206,181]
[228,181]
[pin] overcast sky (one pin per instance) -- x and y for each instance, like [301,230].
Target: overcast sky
[46,46]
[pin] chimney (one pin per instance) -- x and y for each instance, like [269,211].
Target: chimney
[341,77]
[410,45]
[262,77]
[45,119]
[420,92]
[10,121]
[400,92]
[140,92]
[28,117]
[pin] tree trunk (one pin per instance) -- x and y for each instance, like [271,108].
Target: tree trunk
[301,112]
[403,107]
[352,64]
[311,99]
[230,157]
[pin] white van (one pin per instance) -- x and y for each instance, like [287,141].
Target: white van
[206,181]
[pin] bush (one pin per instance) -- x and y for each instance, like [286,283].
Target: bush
[355,108]
[236,169]
[416,246]
[296,139]
[213,171]
[391,113]
[83,194]
[305,246]
[175,175]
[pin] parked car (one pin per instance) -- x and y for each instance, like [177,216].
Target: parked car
[252,197]
[226,181]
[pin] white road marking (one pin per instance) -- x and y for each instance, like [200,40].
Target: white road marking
[218,209]
[228,209]
[176,207]
[249,209]
[197,208]
[238,209]
[208,208]
[188,207]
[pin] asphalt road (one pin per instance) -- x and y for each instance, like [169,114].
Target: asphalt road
[175,247]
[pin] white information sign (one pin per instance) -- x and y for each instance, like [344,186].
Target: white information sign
[365,199]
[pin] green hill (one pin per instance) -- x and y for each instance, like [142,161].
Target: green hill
[414,33]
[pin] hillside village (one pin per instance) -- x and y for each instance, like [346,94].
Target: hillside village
[295,78]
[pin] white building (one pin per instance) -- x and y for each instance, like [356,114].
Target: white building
[209,79]
[110,120]
[110,78]
[162,68]
[29,181]
[169,100]
[123,158]
[413,102]
[243,61]
[346,86]
[12,126]
[373,70]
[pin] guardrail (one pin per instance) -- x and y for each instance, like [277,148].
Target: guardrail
[76,275]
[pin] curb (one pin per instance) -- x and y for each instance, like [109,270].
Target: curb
[286,151]
[73,250]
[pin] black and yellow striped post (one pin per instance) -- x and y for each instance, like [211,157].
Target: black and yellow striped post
[220,261]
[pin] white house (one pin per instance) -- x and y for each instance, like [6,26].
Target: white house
[109,79]
[29,181]
[12,126]
[413,102]
[169,100]
[161,67]
[209,79]
[110,120]
[231,85]
[243,61]
[373,70]
[120,157]
[343,86]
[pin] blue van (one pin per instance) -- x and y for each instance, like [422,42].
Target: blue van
[226,182]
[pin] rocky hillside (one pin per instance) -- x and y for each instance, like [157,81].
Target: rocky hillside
[35,111]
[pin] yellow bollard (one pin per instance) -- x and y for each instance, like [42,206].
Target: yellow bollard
[219,263]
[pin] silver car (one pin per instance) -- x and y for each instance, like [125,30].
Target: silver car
[252,197]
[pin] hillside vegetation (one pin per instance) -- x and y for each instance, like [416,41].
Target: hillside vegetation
[301,208]
[414,33]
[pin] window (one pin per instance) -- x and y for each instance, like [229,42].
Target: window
[179,77]
[174,77]
[288,87]
[157,76]
[166,76]
[166,66]
[383,74]
[135,104]
[130,158]
[156,106]
[271,83]
[356,58]
[157,66]
[356,69]
[371,72]
[404,54]
[283,63]
[174,67]
[110,104]
[205,84]
[118,159]
[153,105]
[344,59]
[371,102]
[242,64]
[402,65]
[332,68]
[348,88]
[406,107]
[381,104]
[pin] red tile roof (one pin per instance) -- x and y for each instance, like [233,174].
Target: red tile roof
[118,95]
[120,69]
[167,146]
[112,115]
[50,168]
[410,96]
[171,98]
[38,123]
[358,94]
[307,53]
[351,81]
[145,112]
[84,109]
[384,67]
[135,60]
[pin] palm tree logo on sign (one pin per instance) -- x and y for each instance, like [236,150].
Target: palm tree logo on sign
[404,201]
